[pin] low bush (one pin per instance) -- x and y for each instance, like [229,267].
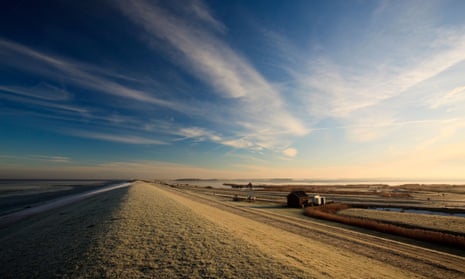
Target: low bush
[329,212]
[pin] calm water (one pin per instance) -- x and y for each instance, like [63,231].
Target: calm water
[16,195]
[28,187]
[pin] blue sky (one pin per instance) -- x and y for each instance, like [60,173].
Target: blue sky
[232,89]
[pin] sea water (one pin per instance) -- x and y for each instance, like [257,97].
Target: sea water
[21,194]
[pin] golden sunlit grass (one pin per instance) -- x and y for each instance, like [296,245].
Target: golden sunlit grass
[329,212]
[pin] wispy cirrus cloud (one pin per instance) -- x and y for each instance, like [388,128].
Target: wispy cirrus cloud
[290,152]
[75,73]
[444,130]
[47,105]
[54,159]
[39,158]
[383,73]
[202,12]
[255,104]
[339,90]
[43,90]
[452,98]
[129,139]
[193,32]
[242,117]
[197,133]
[240,143]
[44,97]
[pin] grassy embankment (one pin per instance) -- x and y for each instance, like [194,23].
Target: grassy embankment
[329,212]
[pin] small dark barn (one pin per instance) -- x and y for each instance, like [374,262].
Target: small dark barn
[297,199]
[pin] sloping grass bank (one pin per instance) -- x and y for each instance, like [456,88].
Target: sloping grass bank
[329,212]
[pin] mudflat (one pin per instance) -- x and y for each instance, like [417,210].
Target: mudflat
[153,231]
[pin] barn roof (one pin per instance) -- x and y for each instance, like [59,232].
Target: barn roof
[298,194]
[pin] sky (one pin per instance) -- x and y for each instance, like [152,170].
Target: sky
[232,89]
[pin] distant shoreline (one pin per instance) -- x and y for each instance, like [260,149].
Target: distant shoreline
[342,181]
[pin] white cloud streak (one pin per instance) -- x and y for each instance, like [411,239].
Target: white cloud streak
[339,91]
[81,75]
[39,158]
[198,134]
[378,78]
[290,152]
[256,104]
[48,97]
[259,105]
[42,91]
[202,12]
[117,138]
[48,105]
[445,131]
[54,159]
[453,97]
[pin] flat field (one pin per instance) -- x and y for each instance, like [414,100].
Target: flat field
[434,222]
[156,231]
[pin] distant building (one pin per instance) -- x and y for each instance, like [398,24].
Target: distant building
[297,199]
[319,200]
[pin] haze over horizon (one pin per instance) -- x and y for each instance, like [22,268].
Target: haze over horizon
[232,89]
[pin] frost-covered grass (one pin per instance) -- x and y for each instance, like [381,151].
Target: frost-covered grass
[58,243]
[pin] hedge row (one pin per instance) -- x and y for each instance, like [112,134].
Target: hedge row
[329,212]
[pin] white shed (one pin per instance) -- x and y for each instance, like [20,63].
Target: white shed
[319,200]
